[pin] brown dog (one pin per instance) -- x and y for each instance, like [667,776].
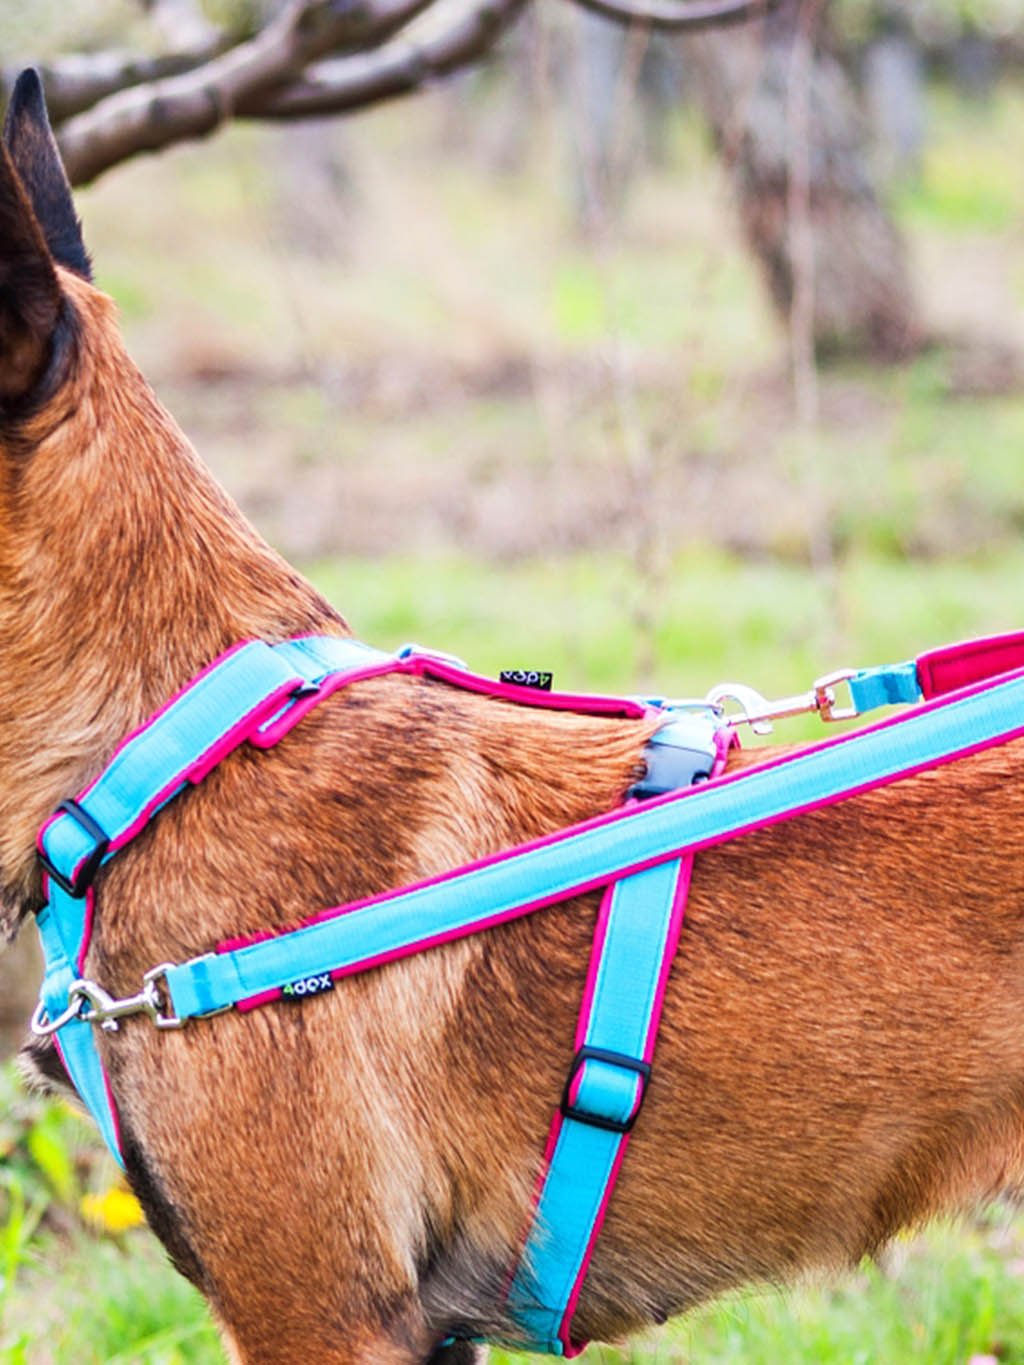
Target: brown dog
[843,1045]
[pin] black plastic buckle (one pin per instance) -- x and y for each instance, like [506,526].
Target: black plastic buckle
[87,870]
[600,1054]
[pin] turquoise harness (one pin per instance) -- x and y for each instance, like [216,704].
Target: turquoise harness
[641,854]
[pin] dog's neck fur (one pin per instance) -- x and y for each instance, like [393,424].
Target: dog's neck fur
[71,690]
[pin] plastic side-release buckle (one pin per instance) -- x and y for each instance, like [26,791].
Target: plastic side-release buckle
[680,754]
[599,1095]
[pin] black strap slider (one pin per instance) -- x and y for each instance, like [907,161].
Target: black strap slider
[78,884]
[609,1120]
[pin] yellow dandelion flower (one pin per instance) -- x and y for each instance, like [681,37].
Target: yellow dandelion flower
[115,1210]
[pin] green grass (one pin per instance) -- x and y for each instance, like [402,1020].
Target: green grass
[969,181]
[946,1296]
[774,625]
[98,1302]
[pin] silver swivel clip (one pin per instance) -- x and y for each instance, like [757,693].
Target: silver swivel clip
[760,713]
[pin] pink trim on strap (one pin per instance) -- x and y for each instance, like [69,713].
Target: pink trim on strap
[584,702]
[971,661]
[90,916]
[426,665]
[266,736]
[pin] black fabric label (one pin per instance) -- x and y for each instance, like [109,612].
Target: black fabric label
[308,985]
[527,677]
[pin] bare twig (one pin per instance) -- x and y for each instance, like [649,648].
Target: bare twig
[801,225]
[803,265]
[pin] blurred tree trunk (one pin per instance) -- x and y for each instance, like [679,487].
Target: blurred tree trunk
[862,294]
[894,90]
[602,122]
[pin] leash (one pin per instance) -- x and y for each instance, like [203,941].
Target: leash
[969,697]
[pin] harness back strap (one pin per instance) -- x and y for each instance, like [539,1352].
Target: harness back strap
[593,854]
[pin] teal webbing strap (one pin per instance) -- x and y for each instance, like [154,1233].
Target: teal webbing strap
[597,853]
[196,730]
[636,939]
[61,925]
[888,686]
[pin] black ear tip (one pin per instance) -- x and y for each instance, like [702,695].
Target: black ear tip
[29,84]
[27,97]
[29,139]
[27,105]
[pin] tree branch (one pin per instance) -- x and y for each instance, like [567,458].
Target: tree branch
[175,108]
[399,67]
[316,57]
[80,80]
[676,15]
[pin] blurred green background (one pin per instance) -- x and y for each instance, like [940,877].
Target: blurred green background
[487,413]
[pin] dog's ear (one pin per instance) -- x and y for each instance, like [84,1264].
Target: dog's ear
[30,293]
[33,149]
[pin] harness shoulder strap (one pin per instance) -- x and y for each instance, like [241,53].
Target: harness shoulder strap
[237,698]
[245,692]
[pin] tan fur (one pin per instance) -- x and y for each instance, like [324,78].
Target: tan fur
[842,1052]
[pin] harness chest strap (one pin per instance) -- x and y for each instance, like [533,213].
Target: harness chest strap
[635,941]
